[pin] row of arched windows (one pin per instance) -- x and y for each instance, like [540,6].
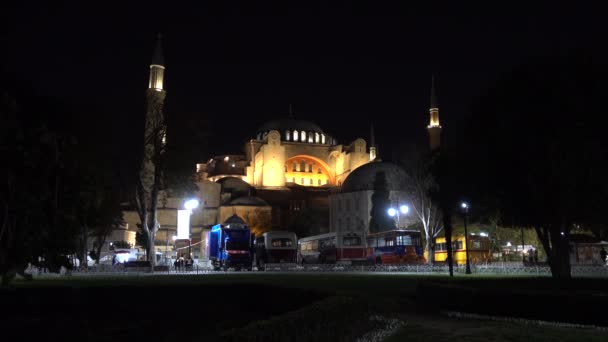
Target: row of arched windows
[307,181]
[302,136]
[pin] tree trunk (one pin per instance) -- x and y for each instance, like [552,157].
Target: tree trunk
[151,248]
[557,250]
[447,226]
[430,250]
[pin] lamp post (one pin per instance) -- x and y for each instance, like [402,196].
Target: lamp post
[190,205]
[403,210]
[465,211]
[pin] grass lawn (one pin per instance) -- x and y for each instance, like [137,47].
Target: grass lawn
[123,307]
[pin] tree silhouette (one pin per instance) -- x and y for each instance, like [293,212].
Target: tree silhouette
[380,221]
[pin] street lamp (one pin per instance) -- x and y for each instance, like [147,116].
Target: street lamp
[465,211]
[403,210]
[190,205]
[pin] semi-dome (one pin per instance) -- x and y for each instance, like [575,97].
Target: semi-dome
[249,201]
[234,219]
[363,177]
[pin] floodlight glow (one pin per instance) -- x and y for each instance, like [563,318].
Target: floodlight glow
[392,212]
[404,209]
[174,237]
[183,224]
[464,205]
[483,234]
[191,204]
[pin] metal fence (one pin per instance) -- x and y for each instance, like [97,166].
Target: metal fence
[499,269]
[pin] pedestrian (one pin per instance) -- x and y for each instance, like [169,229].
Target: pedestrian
[530,255]
[603,254]
[536,256]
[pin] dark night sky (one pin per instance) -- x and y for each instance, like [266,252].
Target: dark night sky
[238,66]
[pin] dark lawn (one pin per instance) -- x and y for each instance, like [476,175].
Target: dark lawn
[170,307]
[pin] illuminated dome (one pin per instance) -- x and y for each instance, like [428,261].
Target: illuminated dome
[295,130]
[363,177]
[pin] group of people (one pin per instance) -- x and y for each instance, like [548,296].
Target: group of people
[182,262]
[533,256]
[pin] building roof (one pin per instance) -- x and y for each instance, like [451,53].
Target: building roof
[250,201]
[285,124]
[363,177]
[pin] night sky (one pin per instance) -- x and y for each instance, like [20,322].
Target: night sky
[232,67]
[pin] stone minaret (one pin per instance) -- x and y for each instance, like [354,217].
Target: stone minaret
[372,144]
[155,98]
[150,172]
[434,127]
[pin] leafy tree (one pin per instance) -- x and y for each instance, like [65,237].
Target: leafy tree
[258,220]
[538,152]
[39,201]
[380,221]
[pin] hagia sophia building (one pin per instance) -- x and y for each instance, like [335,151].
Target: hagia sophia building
[292,175]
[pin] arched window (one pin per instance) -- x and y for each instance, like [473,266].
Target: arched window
[295,135]
[310,182]
[293,179]
[316,138]
[302,166]
[309,167]
[319,182]
[303,136]
[322,138]
[294,167]
[287,135]
[302,181]
[319,170]
[310,137]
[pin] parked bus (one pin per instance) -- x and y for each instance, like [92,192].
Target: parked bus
[478,253]
[276,247]
[395,247]
[332,248]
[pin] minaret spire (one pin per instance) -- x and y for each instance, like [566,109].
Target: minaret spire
[434,127]
[372,143]
[157,67]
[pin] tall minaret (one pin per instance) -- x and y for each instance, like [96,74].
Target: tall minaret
[372,144]
[434,127]
[155,96]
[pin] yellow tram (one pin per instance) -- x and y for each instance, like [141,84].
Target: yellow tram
[479,251]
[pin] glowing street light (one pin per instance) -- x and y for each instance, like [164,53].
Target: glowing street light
[191,204]
[403,210]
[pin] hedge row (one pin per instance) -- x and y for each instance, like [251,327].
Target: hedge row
[537,305]
[332,319]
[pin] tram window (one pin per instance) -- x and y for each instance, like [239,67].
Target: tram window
[389,242]
[351,241]
[456,245]
[282,242]
[404,240]
[476,244]
[440,246]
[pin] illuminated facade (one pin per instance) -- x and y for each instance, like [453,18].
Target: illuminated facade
[289,152]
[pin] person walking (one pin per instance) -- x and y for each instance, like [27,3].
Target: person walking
[603,254]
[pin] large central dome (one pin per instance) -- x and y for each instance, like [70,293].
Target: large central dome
[295,130]
[282,125]
[363,177]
